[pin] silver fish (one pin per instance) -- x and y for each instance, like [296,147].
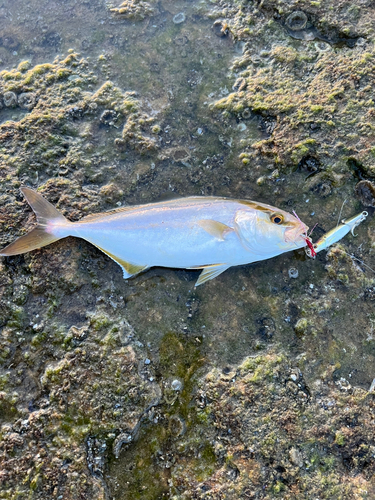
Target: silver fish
[205,233]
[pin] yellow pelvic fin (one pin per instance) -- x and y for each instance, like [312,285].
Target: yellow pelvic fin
[215,228]
[209,272]
[128,269]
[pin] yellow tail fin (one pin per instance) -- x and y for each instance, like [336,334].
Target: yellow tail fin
[37,237]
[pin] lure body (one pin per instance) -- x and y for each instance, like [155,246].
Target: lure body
[205,233]
[337,233]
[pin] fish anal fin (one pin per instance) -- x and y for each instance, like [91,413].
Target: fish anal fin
[215,228]
[133,269]
[129,269]
[210,272]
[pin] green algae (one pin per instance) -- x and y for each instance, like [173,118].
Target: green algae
[273,89]
[133,9]
[180,357]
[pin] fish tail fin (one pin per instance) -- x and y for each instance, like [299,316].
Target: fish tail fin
[51,226]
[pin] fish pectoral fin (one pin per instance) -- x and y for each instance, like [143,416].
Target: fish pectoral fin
[209,272]
[128,269]
[215,228]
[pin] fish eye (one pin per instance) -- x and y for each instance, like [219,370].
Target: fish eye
[277,218]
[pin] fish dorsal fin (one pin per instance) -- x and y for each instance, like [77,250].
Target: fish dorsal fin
[209,272]
[129,269]
[215,228]
[100,215]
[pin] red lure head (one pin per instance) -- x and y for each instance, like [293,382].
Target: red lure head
[311,246]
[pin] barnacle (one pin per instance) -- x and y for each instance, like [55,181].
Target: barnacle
[220,28]
[246,114]
[27,100]
[179,18]
[176,425]
[365,192]
[108,117]
[322,46]
[296,21]
[10,99]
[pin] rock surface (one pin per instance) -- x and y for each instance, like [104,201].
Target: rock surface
[254,385]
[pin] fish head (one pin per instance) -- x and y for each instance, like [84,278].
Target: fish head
[269,230]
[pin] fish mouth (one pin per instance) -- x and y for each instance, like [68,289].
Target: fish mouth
[297,234]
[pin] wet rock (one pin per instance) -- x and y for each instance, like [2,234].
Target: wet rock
[365,192]
[309,164]
[358,168]
[10,42]
[267,328]
[85,44]
[369,293]
[52,39]
[267,124]
[295,457]
[96,455]
[320,186]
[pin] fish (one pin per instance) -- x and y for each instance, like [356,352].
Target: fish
[336,234]
[209,234]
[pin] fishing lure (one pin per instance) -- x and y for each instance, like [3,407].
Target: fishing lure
[335,234]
